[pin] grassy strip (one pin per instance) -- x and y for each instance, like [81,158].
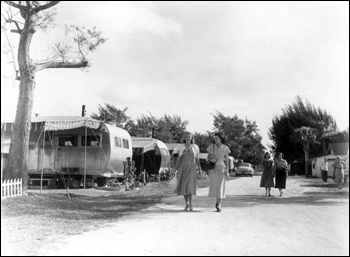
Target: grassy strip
[42,218]
[39,219]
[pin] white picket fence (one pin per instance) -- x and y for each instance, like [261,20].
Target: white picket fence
[11,188]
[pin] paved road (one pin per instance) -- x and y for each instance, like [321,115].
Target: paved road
[311,218]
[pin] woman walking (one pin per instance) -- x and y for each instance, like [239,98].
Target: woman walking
[338,172]
[281,169]
[187,173]
[267,176]
[218,154]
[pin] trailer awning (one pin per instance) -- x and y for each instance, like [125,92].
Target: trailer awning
[65,125]
[56,123]
[146,145]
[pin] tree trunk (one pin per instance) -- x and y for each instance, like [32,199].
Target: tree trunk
[20,138]
[17,166]
[306,162]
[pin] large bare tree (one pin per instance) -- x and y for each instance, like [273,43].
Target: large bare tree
[25,18]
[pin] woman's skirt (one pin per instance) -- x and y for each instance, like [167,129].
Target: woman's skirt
[217,182]
[280,178]
[267,179]
[339,177]
[186,180]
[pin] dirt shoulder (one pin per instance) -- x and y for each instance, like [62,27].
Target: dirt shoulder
[311,218]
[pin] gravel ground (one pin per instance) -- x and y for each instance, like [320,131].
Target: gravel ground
[311,218]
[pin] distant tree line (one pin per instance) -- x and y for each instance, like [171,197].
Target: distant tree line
[303,132]
[242,136]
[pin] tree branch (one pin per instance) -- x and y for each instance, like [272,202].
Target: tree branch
[13,56]
[16,31]
[46,6]
[18,6]
[57,65]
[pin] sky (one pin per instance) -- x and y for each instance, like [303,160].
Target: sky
[192,59]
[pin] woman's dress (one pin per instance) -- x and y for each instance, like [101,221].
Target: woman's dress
[281,173]
[339,173]
[267,175]
[187,174]
[217,179]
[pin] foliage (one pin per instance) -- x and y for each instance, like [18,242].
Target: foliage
[295,116]
[242,137]
[168,129]
[112,115]
[143,126]
[203,141]
[337,136]
[305,136]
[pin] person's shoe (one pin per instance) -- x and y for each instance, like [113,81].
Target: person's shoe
[216,206]
[218,209]
[186,208]
[191,207]
[269,195]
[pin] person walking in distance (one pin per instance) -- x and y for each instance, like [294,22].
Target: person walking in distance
[267,175]
[324,170]
[281,171]
[338,172]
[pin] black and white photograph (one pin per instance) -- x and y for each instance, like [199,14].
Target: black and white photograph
[174,128]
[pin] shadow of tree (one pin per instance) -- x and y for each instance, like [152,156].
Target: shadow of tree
[316,196]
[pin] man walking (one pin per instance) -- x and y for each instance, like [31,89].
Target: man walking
[324,170]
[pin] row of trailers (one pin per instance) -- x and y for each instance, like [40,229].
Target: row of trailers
[83,151]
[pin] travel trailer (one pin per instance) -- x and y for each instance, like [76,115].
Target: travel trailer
[78,147]
[150,154]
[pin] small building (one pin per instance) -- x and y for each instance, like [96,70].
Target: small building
[334,150]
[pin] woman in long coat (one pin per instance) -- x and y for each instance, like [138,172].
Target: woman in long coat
[267,175]
[218,154]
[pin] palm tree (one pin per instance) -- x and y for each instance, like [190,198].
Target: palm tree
[306,136]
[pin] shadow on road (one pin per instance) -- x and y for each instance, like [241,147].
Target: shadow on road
[316,196]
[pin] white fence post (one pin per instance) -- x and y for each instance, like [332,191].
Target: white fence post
[11,188]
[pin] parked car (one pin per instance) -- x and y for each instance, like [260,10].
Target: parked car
[245,169]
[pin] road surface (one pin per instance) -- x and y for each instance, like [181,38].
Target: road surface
[311,218]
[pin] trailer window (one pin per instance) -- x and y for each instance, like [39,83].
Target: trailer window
[126,143]
[91,140]
[118,142]
[68,141]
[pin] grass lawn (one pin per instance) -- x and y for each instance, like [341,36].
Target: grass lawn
[37,218]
